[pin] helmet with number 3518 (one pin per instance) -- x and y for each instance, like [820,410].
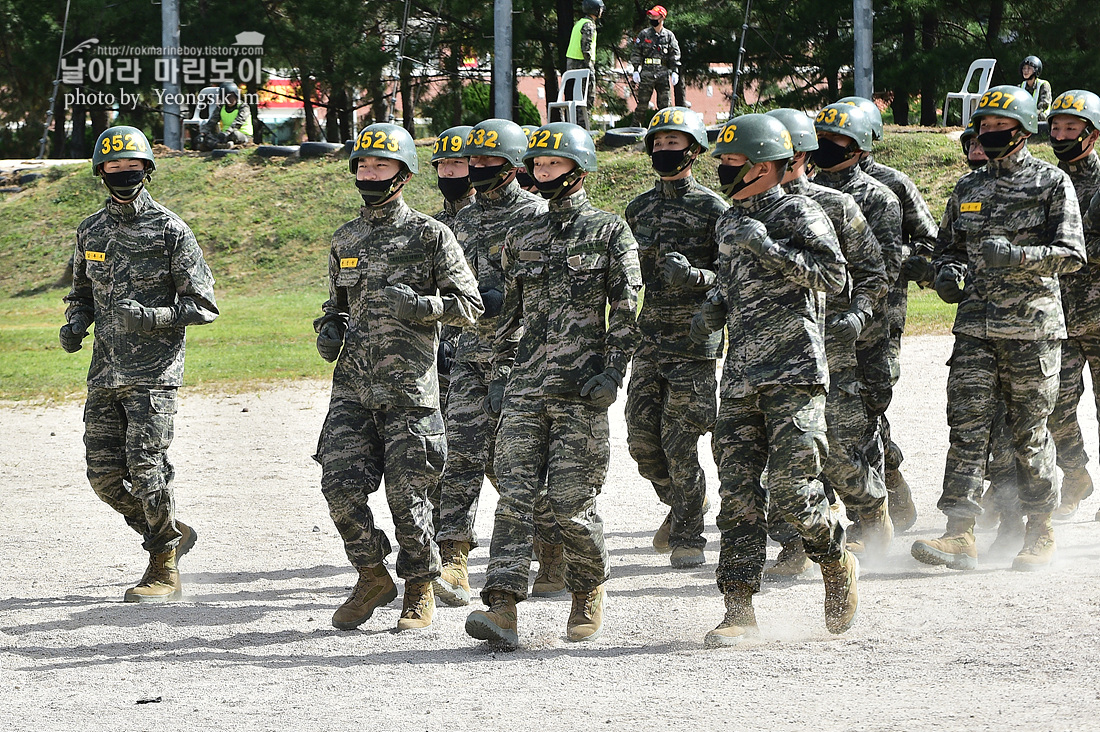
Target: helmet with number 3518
[677,119]
[759,137]
[122,143]
[382,140]
[1012,102]
[562,140]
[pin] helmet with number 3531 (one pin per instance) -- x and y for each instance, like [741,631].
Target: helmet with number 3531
[846,119]
[449,143]
[498,137]
[382,140]
[759,137]
[1012,102]
[562,140]
[122,143]
[1079,103]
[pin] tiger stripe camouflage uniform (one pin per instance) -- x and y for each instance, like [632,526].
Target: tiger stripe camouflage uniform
[1008,327]
[774,383]
[562,273]
[141,251]
[672,396]
[656,56]
[448,333]
[383,418]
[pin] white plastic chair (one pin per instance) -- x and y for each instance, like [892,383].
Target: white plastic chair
[580,79]
[970,99]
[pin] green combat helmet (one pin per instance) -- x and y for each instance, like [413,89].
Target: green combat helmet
[449,144]
[561,140]
[668,163]
[501,138]
[759,137]
[122,143]
[801,127]
[1012,102]
[1079,103]
[382,140]
[872,111]
[848,120]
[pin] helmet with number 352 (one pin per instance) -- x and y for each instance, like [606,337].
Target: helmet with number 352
[1012,102]
[562,140]
[122,143]
[677,119]
[382,140]
[449,143]
[848,120]
[499,137]
[759,137]
[1079,103]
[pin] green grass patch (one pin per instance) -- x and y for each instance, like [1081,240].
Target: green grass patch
[927,314]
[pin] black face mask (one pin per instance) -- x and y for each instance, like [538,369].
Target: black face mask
[556,187]
[524,178]
[654,22]
[1067,150]
[733,180]
[486,178]
[375,192]
[999,143]
[829,154]
[454,189]
[667,163]
[125,185]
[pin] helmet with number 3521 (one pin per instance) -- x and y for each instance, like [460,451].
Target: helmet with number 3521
[759,137]
[1012,102]
[562,140]
[122,143]
[382,140]
[1079,103]
[449,143]
[846,119]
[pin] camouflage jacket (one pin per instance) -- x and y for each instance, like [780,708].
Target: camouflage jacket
[447,216]
[1032,204]
[139,251]
[866,287]
[571,281]
[918,226]
[675,216]
[776,305]
[212,124]
[880,207]
[481,230]
[387,361]
[1081,289]
[655,52]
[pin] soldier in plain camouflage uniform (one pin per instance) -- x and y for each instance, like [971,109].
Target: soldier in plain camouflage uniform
[495,149]
[672,400]
[581,54]
[847,469]
[139,274]
[571,282]
[779,256]
[395,275]
[1009,230]
[655,55]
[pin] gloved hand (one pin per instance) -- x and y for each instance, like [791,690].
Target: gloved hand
[846,327]
[73,332]
[492,401]
[678,271]
[329,340]
[753,235]
[223,136]
[714,313]
[493,299]
[674,78]
[444,356]
[997,252]
[136,317]
[407,305]
[917,269]
[603,388]
[699,332]
[636,77]
[950,284]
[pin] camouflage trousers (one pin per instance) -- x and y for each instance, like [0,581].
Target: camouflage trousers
[127,431]
[669,405]
[1025,375]
[583,113]
[783,428]
[358,446]
[1076,354]
[651,81]
[897,305]
[878,356]
[1002,495]
[561,447]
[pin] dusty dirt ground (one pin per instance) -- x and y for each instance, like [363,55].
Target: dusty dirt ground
[252,647]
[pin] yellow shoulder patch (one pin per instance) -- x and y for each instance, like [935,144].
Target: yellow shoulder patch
[971,207]
[349,262]
[95,256]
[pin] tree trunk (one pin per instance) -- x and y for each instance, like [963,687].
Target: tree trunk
[902,89]
[57,147]
[831,72]
[454,85]
[993,28]
[377,91]
[332,119]
[312,133]
[408,116]
[99,121]
[929,91]
[565,29]
[344,113]
[76,142]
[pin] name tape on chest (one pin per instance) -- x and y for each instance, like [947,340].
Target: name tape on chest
[971,207]
[349,262]
[95,256]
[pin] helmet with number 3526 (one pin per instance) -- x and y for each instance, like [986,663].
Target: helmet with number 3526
[1079,103]
[122,143]
[499,137]
[677,119]
[562,140]
[449,143]
[759,137]
[848,120]
[382,140]
[1012,102]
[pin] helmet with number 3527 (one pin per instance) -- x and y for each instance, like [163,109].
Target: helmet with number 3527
[759,137]
[562,140]
[499,137]
[122,143]
[677,119]
[1012,102]
[1078,103]
[382,140]
[449,143]
[848,120]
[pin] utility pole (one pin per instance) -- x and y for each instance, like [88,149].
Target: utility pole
[170,40]
[502,59]
[862,22]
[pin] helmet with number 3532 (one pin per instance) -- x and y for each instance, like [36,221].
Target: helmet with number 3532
[677,119]
[449,143]
[759,137]
[122,143]
[499,137]
[848,120]
[1012,102]
[382,140]
[562,140]
[1078,103]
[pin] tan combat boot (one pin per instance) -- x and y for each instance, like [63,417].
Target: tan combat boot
[497,624]
[188,537]
[686,557]
[791,562]
[418,607]
[1038,551]
[452,586]
[1010,537]
[586,615]
[900,499]
[956,548]
[374,589]
[841,592]
[161,581]
[550,581]
[740,620]
[874,534]
[1076,487]
[660,539]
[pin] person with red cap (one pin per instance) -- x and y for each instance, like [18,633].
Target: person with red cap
[655,57]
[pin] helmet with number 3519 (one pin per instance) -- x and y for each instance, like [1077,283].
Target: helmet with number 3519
[759,137]
[122,143]
[562,140]
[1012,102]
[449,143]
[382,140]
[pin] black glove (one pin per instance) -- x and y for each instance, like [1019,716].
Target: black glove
[407,305]
[603,388]
[997,252]
[917,269]
[753,235]
[699,332]
[950,284]
[845,328]
[329,340]
[73,332]
[714,312]
[444,356]
[136,317]
[492,401]
[493,299]
[678,271]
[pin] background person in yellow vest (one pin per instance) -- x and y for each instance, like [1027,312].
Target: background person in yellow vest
[229,123]
[581,54]
[655,56]
[1039,89]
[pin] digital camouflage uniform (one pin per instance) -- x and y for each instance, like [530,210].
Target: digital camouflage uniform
[1008,327]
[562,272]
[448,333]
[774,384]
[656,56]
[144,252]
[383,418]
[672,397]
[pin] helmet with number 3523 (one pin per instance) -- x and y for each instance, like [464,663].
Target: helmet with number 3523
[1078,103]
[382,140]
[562,140]
[449,143]
[848,120]
[122,143]
[1012,102]
[759,137]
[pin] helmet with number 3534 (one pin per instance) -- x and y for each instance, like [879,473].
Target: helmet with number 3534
[1078,103]
[1012,102]
[759,137]
[122,143]
[562,140]
[449,143]
[849,120]
[382,140]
